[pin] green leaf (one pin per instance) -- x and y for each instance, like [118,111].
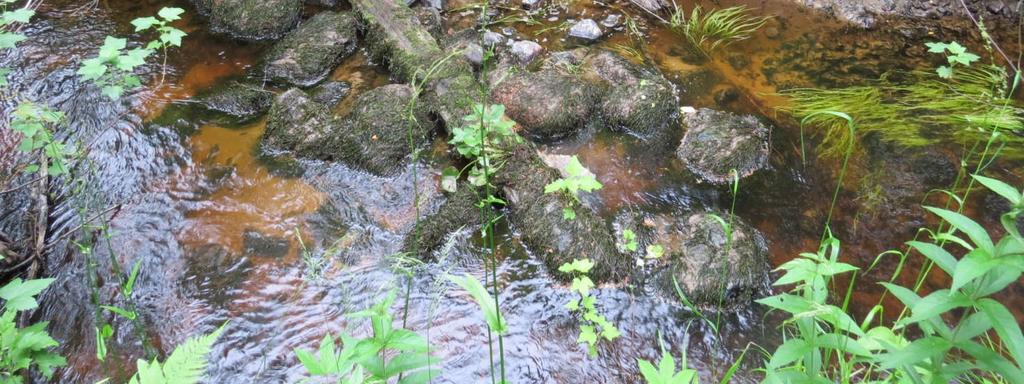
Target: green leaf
[188,361]
[935,304]
[655,251]
[120,312]
[936,254]
[944,72]
[964,224]
[955,48]
[92,69]
[449,179]
[1008,192]
[790,351]
[974,265]
[173,37]
[112,47]
[587,335]
[568,214]
[113,91]
[144,23]
[20,15]
[171,13]
[582,284]
[20,295]
[492,314]
[936,47]
[9,40]
[1006,327]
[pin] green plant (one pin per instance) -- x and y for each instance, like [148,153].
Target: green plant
[23,348]
[828,344]
[9,39]
[921,109]
[666,373]
[955,54]
[168,36]
[593,324]
[33,122]
[719,28]
[492,314]
[482,139]
[628,243]
[186,364]
[387,354]
[577,179]
[112,69]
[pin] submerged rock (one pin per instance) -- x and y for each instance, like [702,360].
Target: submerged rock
[716,143]
[652,5]
[256,243]
[251,20]
[700,256]
[548,104]
[241,102]
[331,93]
[309,53]
[863,12]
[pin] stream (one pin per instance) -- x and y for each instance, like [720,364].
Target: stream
[282,249]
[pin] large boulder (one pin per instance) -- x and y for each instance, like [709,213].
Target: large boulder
[863,12]
[237,101]
[548,104]
[251,20]
[717,143]
[309,53]
[709,266]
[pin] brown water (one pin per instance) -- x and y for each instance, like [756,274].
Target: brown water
[193,192]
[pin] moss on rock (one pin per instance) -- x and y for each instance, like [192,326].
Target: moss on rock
[548,104]
[308,54]
[251,20]
[235,102]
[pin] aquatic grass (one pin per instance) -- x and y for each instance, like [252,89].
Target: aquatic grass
[710,30]
[920,110]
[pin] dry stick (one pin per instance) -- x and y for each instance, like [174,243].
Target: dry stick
[42,222]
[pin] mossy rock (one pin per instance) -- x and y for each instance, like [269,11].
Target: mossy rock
[309,53]
[458,211]
[235,102]
[538,217]
[251,20]
[717,143]
[331,93]
[640,100]
[375,136]
[696,257]
[452,98]
[297,123]
[549,105]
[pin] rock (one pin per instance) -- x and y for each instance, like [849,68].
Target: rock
[331,93]
[493,38]
[241,102]
[654,6]
[375,136]
[532,5]
[640,100]
[726,95]
[458,211]
[394,34]
[309,53]
[612,21]
[256,243]
[430,18]
[251,20]
[771,32]
[297,123]
[526,51]
[716,143]
[548,104]
[695,256]
[537,217]
[586,30]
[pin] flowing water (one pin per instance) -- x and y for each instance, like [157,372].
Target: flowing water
[282,252]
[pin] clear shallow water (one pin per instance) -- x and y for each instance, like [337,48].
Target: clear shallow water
[190,191]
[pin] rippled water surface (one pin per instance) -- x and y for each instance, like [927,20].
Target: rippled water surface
[283,252]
